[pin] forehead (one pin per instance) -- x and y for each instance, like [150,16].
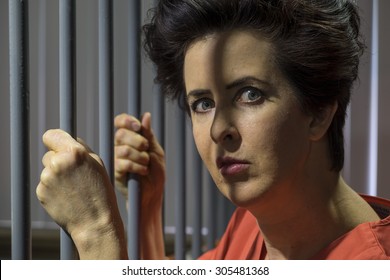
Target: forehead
[223,57]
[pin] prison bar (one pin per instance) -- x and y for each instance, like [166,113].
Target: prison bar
[106,88]
[67,72]
[179,185]
[21,221]
[372,182]
[134,105]
[194,184]
[19,116]
[211,222]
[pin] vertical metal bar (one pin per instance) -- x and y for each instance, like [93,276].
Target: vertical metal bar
[158,116]
[158,108]
[67,92]
[20,134]
[42,94]
[106,88]
[347,147]
[374,103]
[134,105]
[179,184]
[159,122]
[221,214]
[211,206]
[225,210]
[194,183]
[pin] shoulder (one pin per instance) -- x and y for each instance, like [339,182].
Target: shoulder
[380,230]
[380,205]
[366,241]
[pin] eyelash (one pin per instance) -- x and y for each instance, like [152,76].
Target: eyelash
[195,103]
[258,100]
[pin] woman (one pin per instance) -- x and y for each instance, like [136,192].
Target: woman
[266,85]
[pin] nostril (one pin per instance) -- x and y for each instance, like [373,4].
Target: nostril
[228,137]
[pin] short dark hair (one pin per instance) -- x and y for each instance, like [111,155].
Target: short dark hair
[317,46]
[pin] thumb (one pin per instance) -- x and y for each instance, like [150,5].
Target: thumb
[147,132]
[58,140]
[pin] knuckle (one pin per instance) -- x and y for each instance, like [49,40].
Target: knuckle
[46,176]
[126,151]
[144,157]
[40,192]
[122,152]
[120,134]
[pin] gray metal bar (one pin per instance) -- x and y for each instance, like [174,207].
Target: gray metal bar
[158,115]
[134,105]
[20,131]
[67,92]
[179,184]
[158,121]
[106,86]
[374,104]
[42,92]
[211,206]
[194,184]
[225,210]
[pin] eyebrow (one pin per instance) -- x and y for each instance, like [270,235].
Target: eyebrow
[246,80]
[236,83]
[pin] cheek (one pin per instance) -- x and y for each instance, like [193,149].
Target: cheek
[278,137]
[292,142]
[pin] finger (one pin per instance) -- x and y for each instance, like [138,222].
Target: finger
[131,138]
[123,166]
[128,122]
[129,153]
[148,133]
[40,192]
[46,176]
[59,140]
[47,158]
[146,123]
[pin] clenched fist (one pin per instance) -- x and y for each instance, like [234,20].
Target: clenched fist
[76,192]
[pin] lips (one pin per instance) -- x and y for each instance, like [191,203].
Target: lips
[229,166]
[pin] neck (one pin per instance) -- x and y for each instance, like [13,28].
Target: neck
[310,218]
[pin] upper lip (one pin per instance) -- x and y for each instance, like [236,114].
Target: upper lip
[223,161]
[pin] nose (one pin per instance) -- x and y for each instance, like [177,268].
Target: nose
[223,129]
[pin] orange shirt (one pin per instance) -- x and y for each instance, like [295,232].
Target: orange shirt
[242,239]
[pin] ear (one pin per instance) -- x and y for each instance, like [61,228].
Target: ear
[321,121]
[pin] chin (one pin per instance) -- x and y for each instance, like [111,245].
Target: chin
[244,196]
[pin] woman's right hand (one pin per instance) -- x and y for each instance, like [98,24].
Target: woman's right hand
[137,151]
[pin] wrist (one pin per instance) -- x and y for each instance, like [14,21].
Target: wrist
[101,242]
[152,245]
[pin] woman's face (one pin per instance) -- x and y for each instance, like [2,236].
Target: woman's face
[247,123]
